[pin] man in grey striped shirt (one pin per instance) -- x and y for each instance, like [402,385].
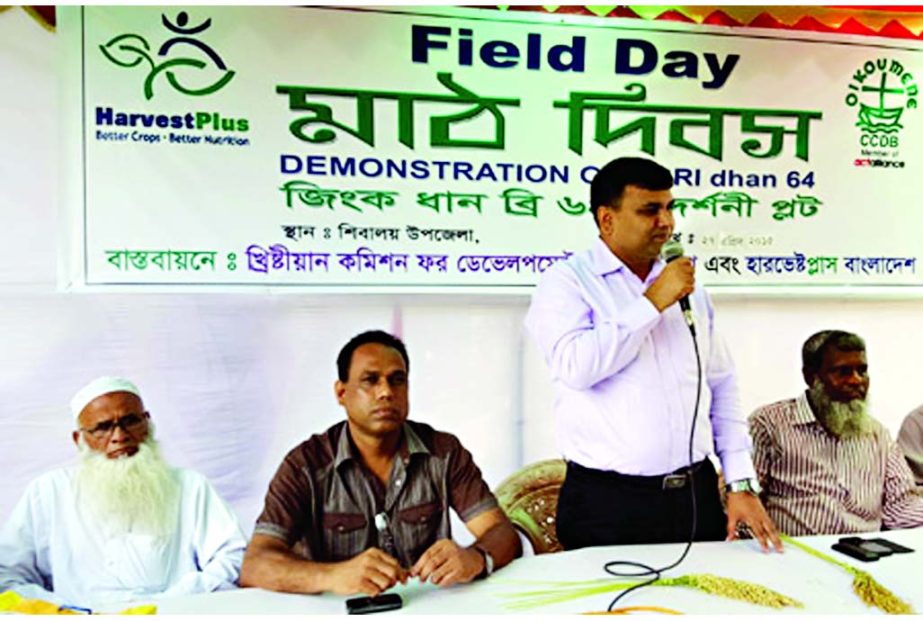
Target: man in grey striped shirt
[825,465]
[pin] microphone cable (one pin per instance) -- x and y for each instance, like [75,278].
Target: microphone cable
[647,570]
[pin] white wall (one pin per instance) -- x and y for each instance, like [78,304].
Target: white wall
[234,381]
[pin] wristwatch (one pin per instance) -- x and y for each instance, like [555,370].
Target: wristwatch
[751,486]
[488,561]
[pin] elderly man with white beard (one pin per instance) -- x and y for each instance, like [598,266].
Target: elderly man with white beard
[825,465]
[122,524]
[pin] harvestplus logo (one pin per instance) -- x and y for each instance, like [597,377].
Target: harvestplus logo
[188,65]
[131,50]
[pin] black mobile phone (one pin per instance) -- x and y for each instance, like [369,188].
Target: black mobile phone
[894,547]
[856,551]
[867,545]
[367,605]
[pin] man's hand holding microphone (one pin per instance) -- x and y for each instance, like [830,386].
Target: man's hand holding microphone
[676,281]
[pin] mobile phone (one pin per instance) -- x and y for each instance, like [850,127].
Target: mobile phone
[367,605]
[868,545]
[877,548]
[894,547]
[856,551]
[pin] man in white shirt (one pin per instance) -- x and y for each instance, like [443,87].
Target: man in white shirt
[122,524]
[610,324]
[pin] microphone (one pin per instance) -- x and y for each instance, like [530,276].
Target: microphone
[671,251]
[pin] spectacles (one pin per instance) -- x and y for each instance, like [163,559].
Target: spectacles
[132,423]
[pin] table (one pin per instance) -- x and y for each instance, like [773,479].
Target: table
[822,587]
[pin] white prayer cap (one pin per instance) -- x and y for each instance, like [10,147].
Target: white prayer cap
[99,387]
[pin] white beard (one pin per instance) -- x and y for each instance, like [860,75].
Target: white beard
[129,494]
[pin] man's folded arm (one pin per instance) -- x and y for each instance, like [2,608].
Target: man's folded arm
[269,563]
[494,533]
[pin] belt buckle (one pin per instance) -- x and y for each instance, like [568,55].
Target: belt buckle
[674,481]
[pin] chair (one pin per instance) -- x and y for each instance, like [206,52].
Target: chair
[529,497]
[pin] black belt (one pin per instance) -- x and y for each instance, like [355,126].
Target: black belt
[673,480]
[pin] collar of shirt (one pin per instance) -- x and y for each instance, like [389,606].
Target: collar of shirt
[410,445]
[804,415]
[606,262]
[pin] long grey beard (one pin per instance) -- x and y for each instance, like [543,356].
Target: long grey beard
[843,419]
[136,494]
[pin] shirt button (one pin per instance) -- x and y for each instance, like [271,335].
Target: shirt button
[398,483]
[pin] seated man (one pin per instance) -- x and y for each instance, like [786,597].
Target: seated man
[365,504]
[825,465]
[910,439]
[122,524]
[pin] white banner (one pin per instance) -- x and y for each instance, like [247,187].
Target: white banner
[450,150]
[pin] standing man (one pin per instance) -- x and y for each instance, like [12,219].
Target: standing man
[123,524]
[365,504]
[624,371]
[826,465]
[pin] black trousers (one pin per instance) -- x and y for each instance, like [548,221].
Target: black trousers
[599,508]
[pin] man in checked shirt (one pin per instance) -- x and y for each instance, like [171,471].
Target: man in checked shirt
[825,465]
[365,504]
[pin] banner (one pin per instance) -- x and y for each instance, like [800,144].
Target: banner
[451,150]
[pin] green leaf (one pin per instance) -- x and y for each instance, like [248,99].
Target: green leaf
[127,50]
